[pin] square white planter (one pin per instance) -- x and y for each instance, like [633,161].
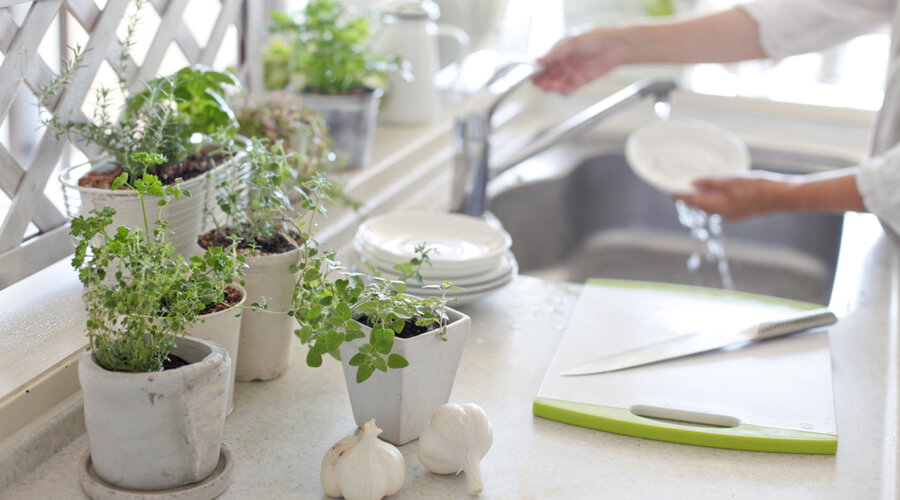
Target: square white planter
[402,400]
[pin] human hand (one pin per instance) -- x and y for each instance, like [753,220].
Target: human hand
[577,60]
[737,198]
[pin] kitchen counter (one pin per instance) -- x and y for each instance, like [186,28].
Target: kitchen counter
[280,429]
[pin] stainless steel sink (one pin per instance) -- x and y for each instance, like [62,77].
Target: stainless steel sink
[578,212]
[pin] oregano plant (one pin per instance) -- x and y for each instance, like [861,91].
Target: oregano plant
[332,309]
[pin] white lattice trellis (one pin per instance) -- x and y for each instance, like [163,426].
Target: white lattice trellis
[22,65]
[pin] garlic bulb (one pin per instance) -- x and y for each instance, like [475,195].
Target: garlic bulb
[456,439]
[363,467]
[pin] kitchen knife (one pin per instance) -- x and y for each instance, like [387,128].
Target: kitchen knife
[694,343]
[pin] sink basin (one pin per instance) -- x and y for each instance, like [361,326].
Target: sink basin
[578,211]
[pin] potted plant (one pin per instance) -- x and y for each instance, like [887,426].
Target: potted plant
[253,211]
[327,56]
[282,116]
[221,323]
[176,116]
[371,325]
[154,400]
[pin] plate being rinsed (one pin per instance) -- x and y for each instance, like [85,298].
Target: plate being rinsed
[671,154]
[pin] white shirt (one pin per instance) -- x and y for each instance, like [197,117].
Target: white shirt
[789,27]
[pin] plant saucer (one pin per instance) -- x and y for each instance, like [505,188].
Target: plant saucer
[211,487]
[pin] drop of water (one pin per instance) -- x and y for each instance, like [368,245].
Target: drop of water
[706,231]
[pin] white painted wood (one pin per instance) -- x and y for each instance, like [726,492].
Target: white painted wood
[47,216]
[227,16]
[21,65]
[86,13]
[7,3]
[187,43]
[19,262]
[23,48]
[170,20]
[50,148]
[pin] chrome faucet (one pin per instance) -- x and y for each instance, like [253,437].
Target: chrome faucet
[472,132]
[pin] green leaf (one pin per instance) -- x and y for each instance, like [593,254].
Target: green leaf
[370,307]
[380,364]
[357,359]
[342,312]
[364,372]
[382,340]
[314,360]
[333,340]
[119,181]
[305,334]
[397,361]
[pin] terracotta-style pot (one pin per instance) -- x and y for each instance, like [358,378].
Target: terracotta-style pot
[224,328]
[157,430]
[184,215]
[267,338]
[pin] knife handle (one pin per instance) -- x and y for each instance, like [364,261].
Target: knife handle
[793,324]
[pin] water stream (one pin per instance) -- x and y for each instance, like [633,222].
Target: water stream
[706,231]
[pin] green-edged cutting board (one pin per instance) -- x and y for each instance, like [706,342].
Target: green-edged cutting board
[774,395]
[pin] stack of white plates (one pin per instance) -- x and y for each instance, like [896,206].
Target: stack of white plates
[466,251]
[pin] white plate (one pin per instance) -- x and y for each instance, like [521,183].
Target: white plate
[505,266]
[670,154]
[463,244]
[439,273]
[465,297]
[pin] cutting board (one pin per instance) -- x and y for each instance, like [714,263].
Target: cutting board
[774,395]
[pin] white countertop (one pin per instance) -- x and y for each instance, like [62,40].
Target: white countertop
[280,429]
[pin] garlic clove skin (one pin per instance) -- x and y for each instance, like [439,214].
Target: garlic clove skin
[328,477]
[456,439]
[363,467]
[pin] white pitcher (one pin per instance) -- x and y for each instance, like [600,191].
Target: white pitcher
[410,32]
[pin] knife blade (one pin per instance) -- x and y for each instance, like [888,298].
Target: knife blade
[695,343]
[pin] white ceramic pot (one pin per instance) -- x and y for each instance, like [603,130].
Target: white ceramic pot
[351,123]
[157,430]
[185,215]
[267,338]
[403,400]
[224,328]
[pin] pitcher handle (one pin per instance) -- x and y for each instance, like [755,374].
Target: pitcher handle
[462,50]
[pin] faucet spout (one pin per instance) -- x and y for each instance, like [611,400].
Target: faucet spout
[473,168]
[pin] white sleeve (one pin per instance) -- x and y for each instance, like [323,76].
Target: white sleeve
[878,182]
[790,27]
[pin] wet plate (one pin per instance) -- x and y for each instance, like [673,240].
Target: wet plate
[671,154]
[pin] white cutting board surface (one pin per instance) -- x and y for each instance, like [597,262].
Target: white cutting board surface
[778,384]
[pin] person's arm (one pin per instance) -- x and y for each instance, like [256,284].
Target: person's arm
[741,197]
[727,36]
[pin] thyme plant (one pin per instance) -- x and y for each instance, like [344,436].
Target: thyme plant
[253,200]
[141,296]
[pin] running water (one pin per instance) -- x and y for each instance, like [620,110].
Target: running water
[706,230]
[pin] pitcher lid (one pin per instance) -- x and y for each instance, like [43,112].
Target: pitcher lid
[410,10]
